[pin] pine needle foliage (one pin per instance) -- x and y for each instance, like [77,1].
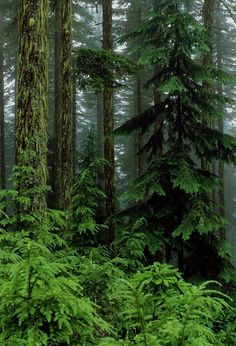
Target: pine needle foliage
[101,68]
[87,197]
[173,194]
[86,221]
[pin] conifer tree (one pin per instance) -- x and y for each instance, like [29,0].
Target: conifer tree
[173,192]
[31,120]
[108,114]
[64,122]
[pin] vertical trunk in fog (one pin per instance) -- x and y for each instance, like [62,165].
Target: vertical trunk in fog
[139,106]
[208,14]
[64,123]
[139,137]
[57,101]
[32,94]
[74,127]
[100,129]
[100,148]
[159,122]
[220,124]
[2,115]
[108,114]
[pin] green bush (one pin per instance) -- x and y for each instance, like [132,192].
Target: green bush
[157,307]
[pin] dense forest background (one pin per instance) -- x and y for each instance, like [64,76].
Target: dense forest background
[117,172]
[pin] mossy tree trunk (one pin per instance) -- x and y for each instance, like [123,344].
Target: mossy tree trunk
[53,157]
[2,113]
[32,105]
[64,123]
[108,114]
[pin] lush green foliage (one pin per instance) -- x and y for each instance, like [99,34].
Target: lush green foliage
[59,285]
[101,68]
[41,299]
[174,194]
[156,307]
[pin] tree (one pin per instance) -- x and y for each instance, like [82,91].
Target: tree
[31,120]
[173,191]
[64,122]
[220,122]
[2,112]
[208,20]
[108,114]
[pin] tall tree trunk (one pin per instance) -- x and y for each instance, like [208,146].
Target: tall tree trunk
[219,52]
[53,158]
[139,105]
[64,128]
[32,94]
[74,128]
[139,137]
[108,113]
[208,16]
[100,126]
[2,113]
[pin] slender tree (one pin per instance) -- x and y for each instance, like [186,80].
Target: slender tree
[57,103]
[64,123]
[31,120]
[108,114]
[2,115]
[208,20]
[220,121]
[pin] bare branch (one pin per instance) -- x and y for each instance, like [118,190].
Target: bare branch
[232,16]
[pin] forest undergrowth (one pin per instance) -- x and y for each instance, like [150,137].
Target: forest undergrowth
[148,267]
[58,289]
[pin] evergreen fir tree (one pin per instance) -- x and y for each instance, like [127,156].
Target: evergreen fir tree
[173,192]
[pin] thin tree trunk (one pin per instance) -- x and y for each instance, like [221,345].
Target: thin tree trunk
[208,15]
[139,137]
[139,104]
[100,125]
[74,108]
[53,159]
[108,113]
[100,150]
[221,193]
[2,113]
[32,94]
[64,124]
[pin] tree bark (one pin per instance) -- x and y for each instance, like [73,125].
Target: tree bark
[108,114]
[139,137]
[64,124]
[74,128]
[208,15]
[2,112]
[53,158]
[220,122]
[32,94]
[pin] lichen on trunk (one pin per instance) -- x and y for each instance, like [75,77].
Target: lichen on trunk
[108,114]
[32,103]
[64,145]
